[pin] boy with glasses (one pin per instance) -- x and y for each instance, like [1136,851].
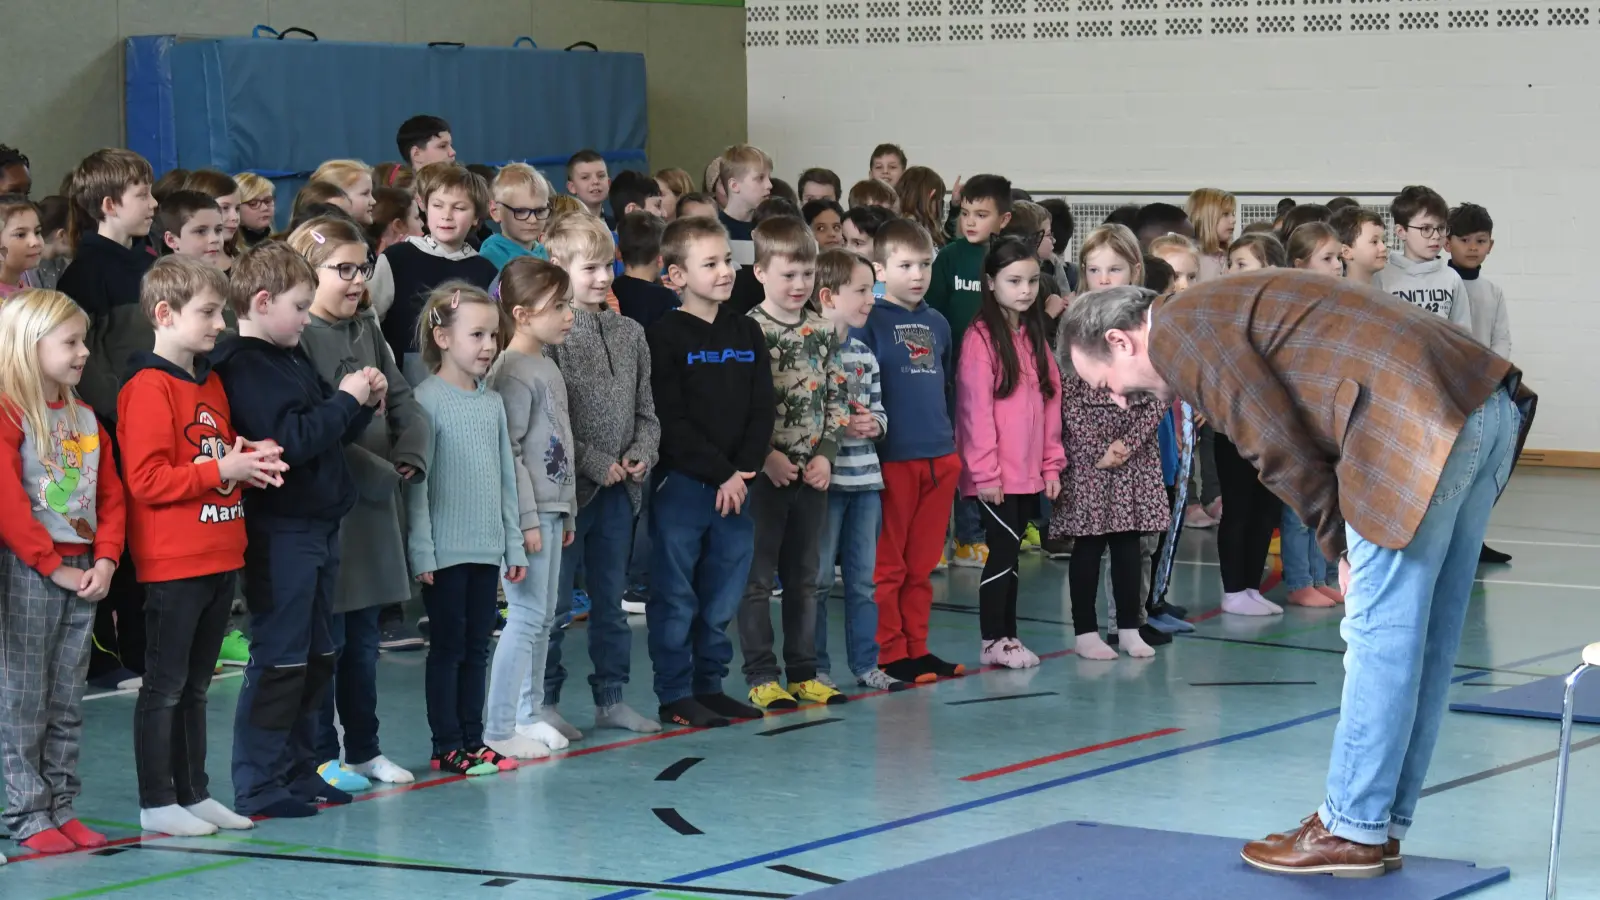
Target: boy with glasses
[521,208]
[1419,276]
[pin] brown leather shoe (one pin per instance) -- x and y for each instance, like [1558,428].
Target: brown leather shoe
[1392,860]
[1313,851]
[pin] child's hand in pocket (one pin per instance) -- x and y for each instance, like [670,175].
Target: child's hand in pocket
[533,541]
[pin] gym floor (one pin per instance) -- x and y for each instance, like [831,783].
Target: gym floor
[1225,732]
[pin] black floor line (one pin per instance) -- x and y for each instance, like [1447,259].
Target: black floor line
[1244,683]
[1508,767]
[675,820]
[788,728]
[807,874]
[453,870]
[676,770]
[1002,697]
[499,882]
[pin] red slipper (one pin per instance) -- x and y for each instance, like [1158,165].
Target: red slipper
[79,834]
[50,841]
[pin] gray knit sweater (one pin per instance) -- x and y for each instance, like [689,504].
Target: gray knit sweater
[535,398]
[606,365]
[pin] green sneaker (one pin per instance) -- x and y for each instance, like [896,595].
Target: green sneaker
[235,650]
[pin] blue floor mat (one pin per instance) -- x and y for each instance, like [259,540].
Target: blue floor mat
[1540,700]
[1085,859]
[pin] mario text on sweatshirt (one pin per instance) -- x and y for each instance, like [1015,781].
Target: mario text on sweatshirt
[713,394]
[1429,285]
[275,393]
[62,499]
[912,347]
[955,287]
[173,428]
[807,385]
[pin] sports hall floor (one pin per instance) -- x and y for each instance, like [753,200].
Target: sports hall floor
[780,807]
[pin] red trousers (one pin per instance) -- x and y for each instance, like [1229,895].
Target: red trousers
[917,496]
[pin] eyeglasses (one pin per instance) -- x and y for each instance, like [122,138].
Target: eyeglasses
[522,214]
[348,271]
[261,203]
[1429,231]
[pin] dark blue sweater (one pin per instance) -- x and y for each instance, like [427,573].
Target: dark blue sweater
[914,356]
[274,392]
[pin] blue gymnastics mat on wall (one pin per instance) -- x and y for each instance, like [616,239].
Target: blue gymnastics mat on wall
[282,107]
[1087,859]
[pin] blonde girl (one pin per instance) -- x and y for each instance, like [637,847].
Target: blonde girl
[221,187]
[674,184]
[343,336]
[533,296]
[920,193]
[460,545]
[21,244]
[1214,214]
[1182,255]
[62,529]
[258,205]
[355,179]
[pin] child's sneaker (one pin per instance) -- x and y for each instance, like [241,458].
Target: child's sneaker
[814,691]
[770,695]
[235,649]
[1030,538]
[335,773]
[460,762]
[937,666]
[971,556]
[879,680]
[827,679]
[1003,653]
[944,563]
[500,761]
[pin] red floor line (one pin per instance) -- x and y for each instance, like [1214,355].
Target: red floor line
[1081,751]
[1210,614]
[586,751]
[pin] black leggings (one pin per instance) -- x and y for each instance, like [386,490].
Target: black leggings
[997,592]
[1083,577]
[1250,512]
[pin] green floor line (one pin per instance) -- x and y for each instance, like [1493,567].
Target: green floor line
[107,823]
[151,879]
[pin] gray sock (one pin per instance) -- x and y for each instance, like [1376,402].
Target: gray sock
[620,715]
[552,717]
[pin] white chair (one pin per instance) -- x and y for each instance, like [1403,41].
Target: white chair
[1591,659]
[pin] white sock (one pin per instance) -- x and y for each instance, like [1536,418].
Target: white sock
[551,716]
[1092,646]
[544,733]
[519,747]
[379,768]
[1276,609]
[1244,603]
[1134,644]
[621,715]
[211,811]
[175,821]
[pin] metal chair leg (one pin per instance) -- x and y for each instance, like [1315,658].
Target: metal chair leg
[1561,778]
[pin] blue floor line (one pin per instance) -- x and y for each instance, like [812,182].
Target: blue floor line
[1013,794]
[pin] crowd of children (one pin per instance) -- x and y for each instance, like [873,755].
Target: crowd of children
[686,404]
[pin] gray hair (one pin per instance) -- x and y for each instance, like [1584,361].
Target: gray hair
[1089,317]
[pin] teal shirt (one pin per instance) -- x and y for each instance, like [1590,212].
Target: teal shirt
[500,250]
[955,290]
[466,509]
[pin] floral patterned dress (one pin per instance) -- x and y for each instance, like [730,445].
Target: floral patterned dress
[1129,497]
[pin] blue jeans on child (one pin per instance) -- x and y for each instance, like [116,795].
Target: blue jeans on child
[851,536]
[968,521]
[461,613]
[1303,563]
[699,562]
[1404,614]
[516,682]
[605,533]
[355,689]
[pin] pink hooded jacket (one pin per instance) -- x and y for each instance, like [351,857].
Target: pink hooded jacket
[1013,443]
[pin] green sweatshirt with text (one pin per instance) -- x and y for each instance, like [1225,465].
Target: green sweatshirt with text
[955,290]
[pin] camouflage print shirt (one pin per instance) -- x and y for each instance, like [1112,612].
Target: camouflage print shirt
[808,384]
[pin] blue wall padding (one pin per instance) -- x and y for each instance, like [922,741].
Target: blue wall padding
[281,108]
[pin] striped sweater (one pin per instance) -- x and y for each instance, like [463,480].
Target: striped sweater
[855,467]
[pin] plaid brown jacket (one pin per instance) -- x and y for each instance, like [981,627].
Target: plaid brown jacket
[1345,400]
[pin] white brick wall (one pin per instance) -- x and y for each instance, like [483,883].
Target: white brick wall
[1492,113]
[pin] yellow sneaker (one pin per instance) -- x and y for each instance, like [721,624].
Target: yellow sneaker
[944,563]
[769,695]
[815,691]
[971,556]
[1030,538]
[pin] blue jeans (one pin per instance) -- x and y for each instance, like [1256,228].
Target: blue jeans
[516,679]
[1404,614]
[639,562]
[969,521]
[851,536]
[461,608]
[605,531]
[355,689]
[699,562]
[1303,563]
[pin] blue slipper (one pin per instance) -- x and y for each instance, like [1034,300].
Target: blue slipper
[1169,625]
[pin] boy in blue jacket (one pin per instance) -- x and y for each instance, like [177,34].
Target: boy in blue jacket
[292,562]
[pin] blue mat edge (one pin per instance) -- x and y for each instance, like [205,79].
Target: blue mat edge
[1485,707]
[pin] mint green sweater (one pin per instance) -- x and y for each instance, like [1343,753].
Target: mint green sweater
[466,510]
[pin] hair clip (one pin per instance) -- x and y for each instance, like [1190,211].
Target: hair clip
[317,236]
[455,300]
[435,318]
[494,291]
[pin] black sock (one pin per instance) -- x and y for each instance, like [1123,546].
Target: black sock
[903,670]
[287,809]
[930,663]
[688,711]
[723,705]
[1155,637]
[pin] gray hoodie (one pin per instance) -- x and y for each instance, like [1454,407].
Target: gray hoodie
[1430,285]
[535,396]
[606,364]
